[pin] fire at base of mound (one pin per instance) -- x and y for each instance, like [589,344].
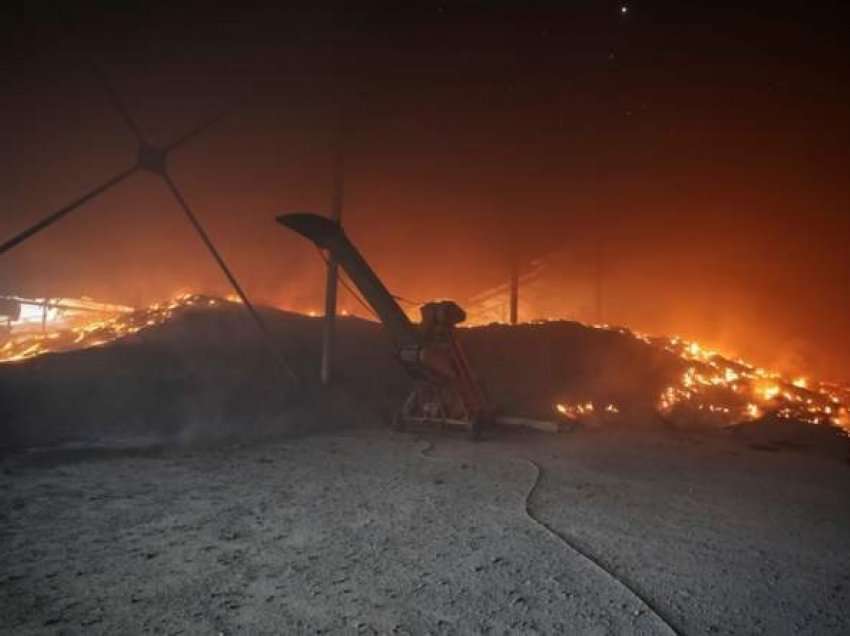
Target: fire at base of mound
[717,390]
[711,390]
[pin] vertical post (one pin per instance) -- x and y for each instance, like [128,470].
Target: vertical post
[329,332]
[599,275]
[514,290]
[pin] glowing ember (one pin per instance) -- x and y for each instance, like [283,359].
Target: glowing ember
[82,324]
[711,385]
[734,391]
[584,409]
[730,390]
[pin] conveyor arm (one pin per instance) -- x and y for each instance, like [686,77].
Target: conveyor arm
[328,235]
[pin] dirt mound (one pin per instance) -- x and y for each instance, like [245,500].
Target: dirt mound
[206,373]
[531,368]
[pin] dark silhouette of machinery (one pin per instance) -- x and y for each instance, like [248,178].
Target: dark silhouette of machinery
[445,390]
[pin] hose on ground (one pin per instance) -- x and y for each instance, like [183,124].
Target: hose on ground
[425,452]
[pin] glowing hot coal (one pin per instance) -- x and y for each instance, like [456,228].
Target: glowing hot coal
[722,390]
[727,391]
[714,388]
[68,323]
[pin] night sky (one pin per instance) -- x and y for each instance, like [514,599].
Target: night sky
[704,150]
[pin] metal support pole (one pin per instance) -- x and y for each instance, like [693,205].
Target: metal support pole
[329,332]
[514,291]
[329,236]
[599,275]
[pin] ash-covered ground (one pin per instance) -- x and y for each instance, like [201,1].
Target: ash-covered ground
[169,483]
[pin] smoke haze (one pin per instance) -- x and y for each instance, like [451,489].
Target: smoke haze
[697,155]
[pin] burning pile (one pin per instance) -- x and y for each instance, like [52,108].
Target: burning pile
[66,324]
[699,386]
[733,389]
[718,390]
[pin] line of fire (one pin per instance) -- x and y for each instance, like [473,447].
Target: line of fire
[714,388]
[461,318]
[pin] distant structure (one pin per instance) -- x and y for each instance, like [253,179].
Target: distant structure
[560,284]
[501,303]
[599,278]
[514,291]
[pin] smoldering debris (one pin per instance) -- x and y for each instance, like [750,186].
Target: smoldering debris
[203,374]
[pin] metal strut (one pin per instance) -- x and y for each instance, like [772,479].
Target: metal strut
[445,389]
[153,159]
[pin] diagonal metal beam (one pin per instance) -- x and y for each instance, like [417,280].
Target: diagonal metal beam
[60,213]
[258,319]
[154,159]
[118,178]
[117,103]
[197,130]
